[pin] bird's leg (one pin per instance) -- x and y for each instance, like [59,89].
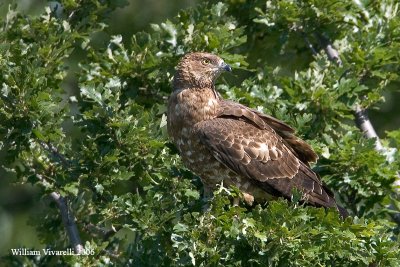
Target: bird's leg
[207,195]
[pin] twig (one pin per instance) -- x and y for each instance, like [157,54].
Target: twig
[104,233]
[54,153]
[309,44]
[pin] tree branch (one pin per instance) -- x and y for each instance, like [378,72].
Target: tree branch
[57,156]
[66,213]
[361,117]
[309,44]
[365,125]
[69,222]
[332,53]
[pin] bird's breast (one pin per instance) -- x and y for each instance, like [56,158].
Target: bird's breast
[186,108]
[199,159]
[190,106]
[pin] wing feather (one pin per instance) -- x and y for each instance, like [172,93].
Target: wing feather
[300,148]
[265,153]
[262,157]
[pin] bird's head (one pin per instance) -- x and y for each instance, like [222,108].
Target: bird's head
[199,70]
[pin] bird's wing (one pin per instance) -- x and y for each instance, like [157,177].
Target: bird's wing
[230,108]
[298,146]
[261,156]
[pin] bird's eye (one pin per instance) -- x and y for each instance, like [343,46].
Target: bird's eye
[206,61]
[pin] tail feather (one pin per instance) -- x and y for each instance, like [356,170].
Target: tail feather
[343,212]
[308,182]
[318,194]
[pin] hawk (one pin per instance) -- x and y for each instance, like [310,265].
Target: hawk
[225,142]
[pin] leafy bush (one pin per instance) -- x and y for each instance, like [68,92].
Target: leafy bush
[103,144]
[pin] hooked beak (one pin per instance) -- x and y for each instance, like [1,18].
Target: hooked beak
[225,67]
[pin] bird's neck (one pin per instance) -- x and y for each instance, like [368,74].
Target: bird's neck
[184,80]
[194,105]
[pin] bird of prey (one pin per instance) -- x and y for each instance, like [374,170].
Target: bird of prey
[225,142]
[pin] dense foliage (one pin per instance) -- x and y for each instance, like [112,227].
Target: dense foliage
[103,145]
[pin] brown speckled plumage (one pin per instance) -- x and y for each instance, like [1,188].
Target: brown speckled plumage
[221,140]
